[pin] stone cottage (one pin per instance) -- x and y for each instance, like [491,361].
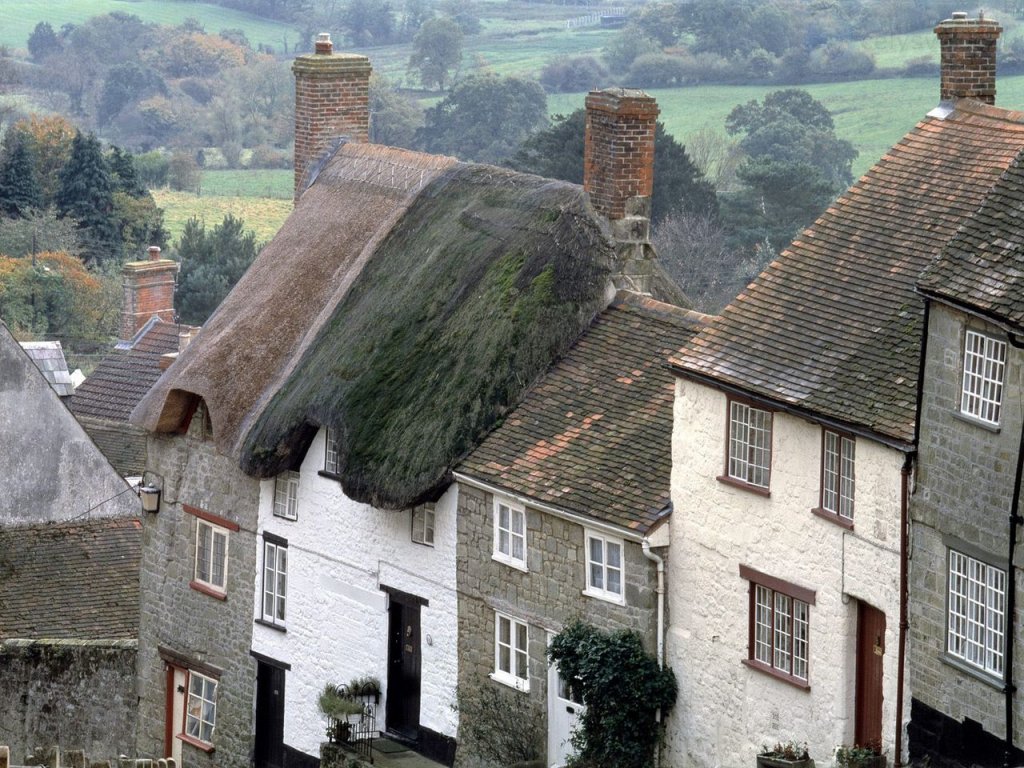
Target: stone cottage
[404,308]
[793,449]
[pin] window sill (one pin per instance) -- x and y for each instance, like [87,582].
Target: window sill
[978,674]
[423,543]
[519,565]
[208,590]
[512,682]
[803,685]
[208,748]
[832,517]
[976,422]
[742,484]
[291,518]
[270,625]
[608,597]
[329,475]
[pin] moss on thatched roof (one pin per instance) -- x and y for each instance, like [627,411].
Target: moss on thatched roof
[488,277]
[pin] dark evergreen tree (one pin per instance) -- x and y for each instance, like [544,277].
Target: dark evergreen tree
[19,187]
[121,163]
[211,263]
[86,194]
[43,42]
[557,152]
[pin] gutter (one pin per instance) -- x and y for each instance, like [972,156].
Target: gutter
[901,653]
[660,564]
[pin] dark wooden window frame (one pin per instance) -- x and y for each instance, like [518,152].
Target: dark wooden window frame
[725,477]
[755,578]
[820,511]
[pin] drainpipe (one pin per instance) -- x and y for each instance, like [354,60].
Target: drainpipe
[660,564]
[1011,589]
[901,654]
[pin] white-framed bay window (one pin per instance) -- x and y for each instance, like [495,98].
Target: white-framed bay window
[286,495]
[749,445]
[981,392]
[201,708]
[275,580]
[976,607]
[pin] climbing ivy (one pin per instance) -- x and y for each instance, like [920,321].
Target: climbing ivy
[622,688]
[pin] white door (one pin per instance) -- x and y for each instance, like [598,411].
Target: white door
[179,680]
[564,710]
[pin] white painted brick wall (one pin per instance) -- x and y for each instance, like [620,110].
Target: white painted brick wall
[339,553]
[725,709]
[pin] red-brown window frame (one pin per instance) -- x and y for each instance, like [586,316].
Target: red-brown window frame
[725,477]
[755,578]
[820,511]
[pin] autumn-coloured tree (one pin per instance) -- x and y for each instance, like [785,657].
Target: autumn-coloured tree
[190,54]
[49,139]
[54,295]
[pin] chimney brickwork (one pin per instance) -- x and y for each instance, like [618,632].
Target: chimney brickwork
[968,58]
[618,156]
[148,290]
[332,98]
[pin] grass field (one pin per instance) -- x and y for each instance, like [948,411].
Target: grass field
[262,215]
[21,16]
[256,183]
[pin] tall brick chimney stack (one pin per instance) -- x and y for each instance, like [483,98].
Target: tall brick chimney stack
[968,57]
[148,290]
[332,99]
[618,174]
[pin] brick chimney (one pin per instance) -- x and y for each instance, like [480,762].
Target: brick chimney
[148,290]
[968,57]
[332,99]
[618,174]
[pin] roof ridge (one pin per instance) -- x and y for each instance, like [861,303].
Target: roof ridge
[625,298]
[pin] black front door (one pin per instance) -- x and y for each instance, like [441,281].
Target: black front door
[269,747]
[403,705]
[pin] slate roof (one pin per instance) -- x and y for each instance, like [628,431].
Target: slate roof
[407,302]
[983,265]
[593,437]
[117,384]
[833,326]
[49,359]
[77,580]
[49,468]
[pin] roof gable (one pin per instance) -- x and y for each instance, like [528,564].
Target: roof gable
[833,326]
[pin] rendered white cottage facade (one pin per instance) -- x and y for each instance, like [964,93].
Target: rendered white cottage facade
[346,566]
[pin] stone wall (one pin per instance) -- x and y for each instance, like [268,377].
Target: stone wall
[177,618]
[546,597]
[962,499]
[68,692]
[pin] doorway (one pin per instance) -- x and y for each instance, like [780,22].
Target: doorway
[870,655]
[564,710]
[268,750]
[403,695]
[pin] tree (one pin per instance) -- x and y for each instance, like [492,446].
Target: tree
[211,263]
[484,118]
[573,74]
[437,50]
[19,189]
[464,13]
[368,22]
[86,194]
[394,117]
[125,84]
[50,140]
[43,42]
[557,152]
[36,231]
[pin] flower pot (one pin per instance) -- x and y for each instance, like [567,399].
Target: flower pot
[767,761]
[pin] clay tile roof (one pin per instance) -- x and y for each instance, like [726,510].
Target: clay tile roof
[833,326]
[126,374]
[983,265]
[593,436]
[71,580]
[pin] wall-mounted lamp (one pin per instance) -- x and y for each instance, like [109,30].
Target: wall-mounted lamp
[150,496]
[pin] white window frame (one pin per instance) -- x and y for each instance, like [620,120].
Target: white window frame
[749,449]
[838,474]
[286,495]
[200,708]
[511,652]
[981,388]
[275,581]
[206,556]
[599,570]
[976,613]
[422,519]
[331,463]
[507,534]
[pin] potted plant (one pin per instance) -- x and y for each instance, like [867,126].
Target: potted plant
[336,703]
[785,754]
[869,756]
[365,687]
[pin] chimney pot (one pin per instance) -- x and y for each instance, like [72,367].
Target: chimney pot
[154,252]
[324,46]
[957,15]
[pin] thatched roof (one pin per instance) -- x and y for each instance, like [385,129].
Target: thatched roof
[408,303]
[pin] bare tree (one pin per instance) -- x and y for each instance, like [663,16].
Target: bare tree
[716,155]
